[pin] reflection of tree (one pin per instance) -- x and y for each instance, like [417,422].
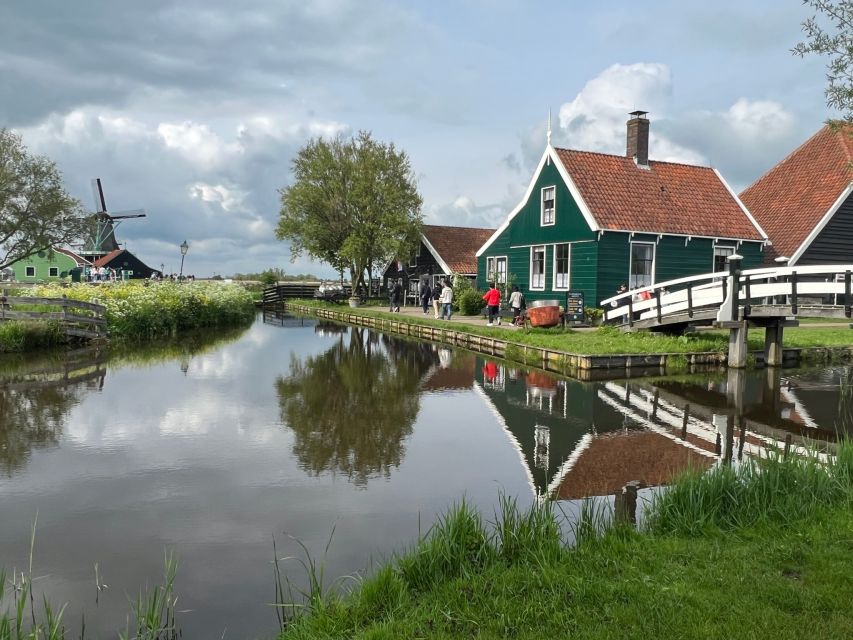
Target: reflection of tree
[351,407]
[32,418]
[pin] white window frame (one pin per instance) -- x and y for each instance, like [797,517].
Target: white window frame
[554,286]
[27,271]
[631,263]
[553,219]
[500,276]
[544,266]
[729,247]
[53,272]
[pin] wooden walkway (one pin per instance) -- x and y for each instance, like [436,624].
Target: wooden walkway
[78,319]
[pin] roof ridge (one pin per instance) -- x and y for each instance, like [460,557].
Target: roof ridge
[453,226]
[616,155]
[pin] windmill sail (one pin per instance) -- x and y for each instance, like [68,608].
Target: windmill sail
[103,239]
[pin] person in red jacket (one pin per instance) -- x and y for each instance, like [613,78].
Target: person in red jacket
[493,299]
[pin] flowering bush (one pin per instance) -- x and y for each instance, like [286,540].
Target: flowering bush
[143,309]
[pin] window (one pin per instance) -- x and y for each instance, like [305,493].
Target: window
[720,255]
[30,272]
[53,272]
[537,267]
[642,264]
[548,195]
[490,269]
[561,267]
[500,270]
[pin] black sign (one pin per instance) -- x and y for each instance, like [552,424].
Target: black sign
[574,306]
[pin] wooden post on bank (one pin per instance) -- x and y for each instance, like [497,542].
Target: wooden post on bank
[625,508]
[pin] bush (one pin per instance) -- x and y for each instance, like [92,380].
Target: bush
[593,315]
[269,277]
[140,309]
[470,302]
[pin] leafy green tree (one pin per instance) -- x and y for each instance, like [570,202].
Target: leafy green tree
[36,214]
[829,32]
[353,203]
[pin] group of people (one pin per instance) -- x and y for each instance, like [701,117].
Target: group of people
[493,304]
[100,274]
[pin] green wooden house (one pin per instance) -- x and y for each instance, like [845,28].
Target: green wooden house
[47,266]
[589,222]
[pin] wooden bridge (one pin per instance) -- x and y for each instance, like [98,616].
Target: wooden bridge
[772,298]
[77,319]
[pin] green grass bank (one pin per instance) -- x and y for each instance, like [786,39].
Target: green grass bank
[140,310]
[762,551]
[819,343]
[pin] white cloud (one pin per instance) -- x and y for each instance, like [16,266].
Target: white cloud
[228,198]
[197,143]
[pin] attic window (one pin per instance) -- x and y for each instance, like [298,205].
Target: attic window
[548,205]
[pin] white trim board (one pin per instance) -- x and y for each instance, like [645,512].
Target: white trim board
[549,154]
[741,205]
[820,225]
[438,258]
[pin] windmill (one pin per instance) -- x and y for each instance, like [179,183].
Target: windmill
[103,238]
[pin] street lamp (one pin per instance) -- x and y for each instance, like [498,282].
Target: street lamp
[184,248]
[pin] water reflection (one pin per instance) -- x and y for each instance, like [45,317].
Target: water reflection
[35,400]
[352,407]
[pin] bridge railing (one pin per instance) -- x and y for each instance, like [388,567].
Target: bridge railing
[731,296]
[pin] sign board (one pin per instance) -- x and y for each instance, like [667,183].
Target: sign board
[574,306]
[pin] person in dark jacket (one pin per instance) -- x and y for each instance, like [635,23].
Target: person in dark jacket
[426,296]
[394,292]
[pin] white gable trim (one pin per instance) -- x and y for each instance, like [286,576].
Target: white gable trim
[742,206]
[435,255]
[551,154]
[820,225]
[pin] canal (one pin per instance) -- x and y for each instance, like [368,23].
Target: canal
[294,429]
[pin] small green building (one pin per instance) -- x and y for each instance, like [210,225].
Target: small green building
[592,221]
[47,266]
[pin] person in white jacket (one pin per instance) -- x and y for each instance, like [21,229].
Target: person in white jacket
[446,300]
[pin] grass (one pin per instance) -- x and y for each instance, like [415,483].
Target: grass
[761,551]
[612,341]
[18,336]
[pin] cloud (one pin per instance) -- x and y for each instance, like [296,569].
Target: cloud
[212,183]
[743,141]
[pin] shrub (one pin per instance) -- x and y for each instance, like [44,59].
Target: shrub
[593,315]
[470,302]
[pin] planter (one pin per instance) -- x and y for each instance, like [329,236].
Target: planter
[544,313]
[354,302]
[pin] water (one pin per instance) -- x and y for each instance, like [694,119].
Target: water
[211,446]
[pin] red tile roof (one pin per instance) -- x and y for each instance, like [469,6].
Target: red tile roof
[789,200]
[665,198]
[105,260]
[457,246]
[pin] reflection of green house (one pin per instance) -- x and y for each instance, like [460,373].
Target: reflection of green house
[45,266]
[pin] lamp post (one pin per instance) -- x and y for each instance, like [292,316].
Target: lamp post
[184,248]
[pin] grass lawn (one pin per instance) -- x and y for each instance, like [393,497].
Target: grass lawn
[609,340]
[761,551]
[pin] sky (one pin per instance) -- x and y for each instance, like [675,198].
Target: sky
[195,109]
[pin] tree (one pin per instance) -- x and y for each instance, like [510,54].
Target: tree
[36,214]
[830,33]
[353,203]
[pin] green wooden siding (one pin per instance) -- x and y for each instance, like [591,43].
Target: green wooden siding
[42,264]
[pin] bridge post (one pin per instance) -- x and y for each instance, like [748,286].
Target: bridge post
[773,344]
[737,345]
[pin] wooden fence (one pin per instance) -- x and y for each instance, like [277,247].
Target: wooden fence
[78,319]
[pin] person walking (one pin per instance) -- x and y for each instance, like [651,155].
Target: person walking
[493,300]
[393,293]
[516,302]
[426,296]
[436,299]
[446,301]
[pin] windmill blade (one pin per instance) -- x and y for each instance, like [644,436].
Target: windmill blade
[135,213]
[98,192]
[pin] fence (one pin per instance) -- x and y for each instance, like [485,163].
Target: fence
[78,319]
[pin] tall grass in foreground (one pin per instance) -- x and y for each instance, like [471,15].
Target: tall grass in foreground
[772,489]
[18,335]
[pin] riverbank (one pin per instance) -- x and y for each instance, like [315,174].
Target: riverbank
[732,553]
[573,351]
[140,310]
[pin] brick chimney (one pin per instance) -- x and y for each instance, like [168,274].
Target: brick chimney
[638,138]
